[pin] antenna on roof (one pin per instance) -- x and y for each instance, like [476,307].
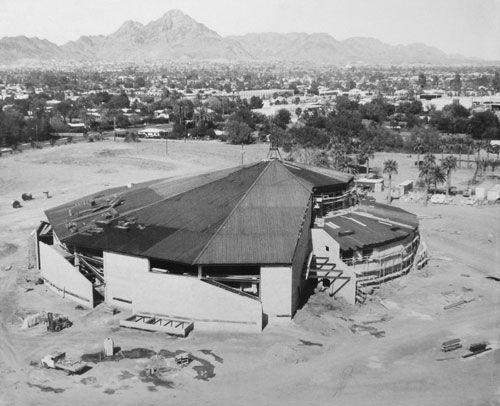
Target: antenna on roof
[274,152]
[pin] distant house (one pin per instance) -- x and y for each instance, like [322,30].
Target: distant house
[76,125]
[153,132]
[161,114]
[429,95]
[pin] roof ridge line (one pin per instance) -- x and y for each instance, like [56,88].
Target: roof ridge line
[308,167]
[299,181]
[126,213]
[230,214]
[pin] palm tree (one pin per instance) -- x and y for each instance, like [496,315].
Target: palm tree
[459,147]
[469,145]
[427,172]
[477,147]
[485,162]
[339,152]
[438,176]
[344,164]
[476,172]
[390,167]
[366,153]
[448,165]
[419,148]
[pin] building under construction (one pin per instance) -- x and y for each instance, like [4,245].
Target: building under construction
[228,249]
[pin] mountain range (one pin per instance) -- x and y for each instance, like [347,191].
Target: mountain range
[177,37]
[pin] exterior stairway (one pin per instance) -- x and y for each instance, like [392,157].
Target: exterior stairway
[361,295]
[320,268]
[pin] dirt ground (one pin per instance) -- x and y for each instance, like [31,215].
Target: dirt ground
[326,355]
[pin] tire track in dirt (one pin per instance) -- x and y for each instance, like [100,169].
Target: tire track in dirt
[8,354]
[345,376]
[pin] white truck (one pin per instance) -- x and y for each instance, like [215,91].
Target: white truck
[57,360]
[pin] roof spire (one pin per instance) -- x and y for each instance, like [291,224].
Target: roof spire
[274,152]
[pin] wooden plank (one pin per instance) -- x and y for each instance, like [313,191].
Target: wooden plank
[459,303]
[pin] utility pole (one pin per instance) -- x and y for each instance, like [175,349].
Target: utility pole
[242,153]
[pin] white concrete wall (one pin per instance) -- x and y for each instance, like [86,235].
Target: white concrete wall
[325,246]
[480,193]
[493,195]
[276,292]
[64,278]
[185,297]
[123,275]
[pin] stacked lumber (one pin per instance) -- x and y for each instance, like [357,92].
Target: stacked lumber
[476,349]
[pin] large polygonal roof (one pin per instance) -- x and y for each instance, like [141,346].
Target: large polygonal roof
[245,215]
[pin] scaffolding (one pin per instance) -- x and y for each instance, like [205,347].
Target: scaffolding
[369,270]
[376,269]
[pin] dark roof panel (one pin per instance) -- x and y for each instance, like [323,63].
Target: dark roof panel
[389,212]
[320,179]
[358,229]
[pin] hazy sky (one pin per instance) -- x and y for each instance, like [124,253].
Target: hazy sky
[469,27]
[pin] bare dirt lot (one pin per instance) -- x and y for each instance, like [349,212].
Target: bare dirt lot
[315,359]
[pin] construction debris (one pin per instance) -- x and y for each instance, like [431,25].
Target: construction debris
[361,329]
[476,349]
[385,317]
[111,310]
[55,322]
[56,360]
[183,360]
[459,303]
